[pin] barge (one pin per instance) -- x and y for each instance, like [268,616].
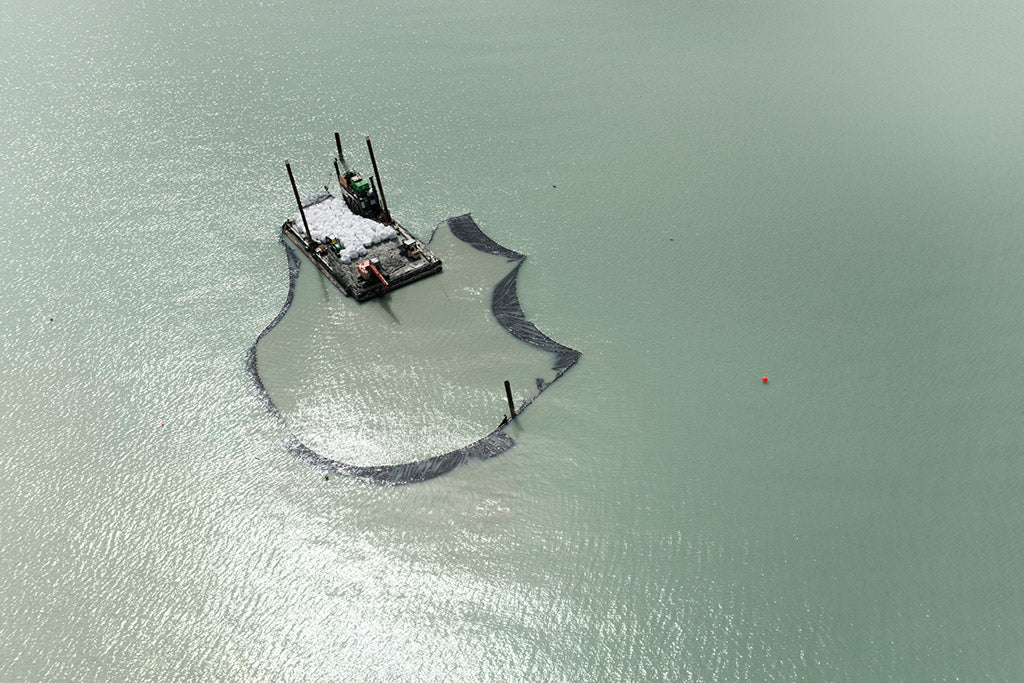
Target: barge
[352,238]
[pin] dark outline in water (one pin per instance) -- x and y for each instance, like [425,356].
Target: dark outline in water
[509,314]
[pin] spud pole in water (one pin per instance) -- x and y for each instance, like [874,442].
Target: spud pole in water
[511,403]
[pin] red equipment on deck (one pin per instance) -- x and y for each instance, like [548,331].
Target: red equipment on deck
[366,268]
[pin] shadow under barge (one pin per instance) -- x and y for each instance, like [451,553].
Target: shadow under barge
[353,240]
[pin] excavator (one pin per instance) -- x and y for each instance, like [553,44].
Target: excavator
[368,269]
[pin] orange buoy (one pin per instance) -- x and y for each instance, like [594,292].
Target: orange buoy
[764,380]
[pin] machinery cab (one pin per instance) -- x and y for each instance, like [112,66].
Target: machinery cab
[370,272]
[360,195]
[356,184]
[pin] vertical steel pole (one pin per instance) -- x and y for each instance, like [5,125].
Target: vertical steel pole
[341,156]
[380,183]
[373,184]
[511,404]
[298,201]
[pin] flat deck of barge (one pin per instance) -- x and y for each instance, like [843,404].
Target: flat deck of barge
[344,243]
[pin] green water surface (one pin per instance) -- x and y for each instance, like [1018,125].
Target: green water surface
[825,194]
